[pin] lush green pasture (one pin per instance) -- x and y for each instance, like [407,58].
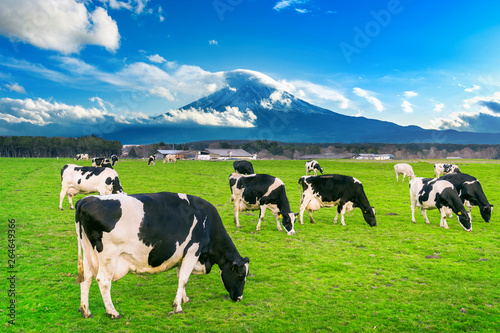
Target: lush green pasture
[395,277]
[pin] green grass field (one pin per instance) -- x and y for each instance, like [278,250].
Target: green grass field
[395,277]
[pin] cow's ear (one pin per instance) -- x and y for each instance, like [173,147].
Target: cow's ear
[246,260]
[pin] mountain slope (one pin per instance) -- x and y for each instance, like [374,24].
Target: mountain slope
[278,115]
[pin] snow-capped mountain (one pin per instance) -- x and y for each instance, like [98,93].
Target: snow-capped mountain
[255,107]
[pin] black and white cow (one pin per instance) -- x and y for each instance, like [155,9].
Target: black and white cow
[243,167]
[259,192]
[82,157]
[77,179]
[471,192]
[114,159]
[313,166]
[443,169]
[101,162]
[332,190]
[431,193]
[152,233]
[152,160]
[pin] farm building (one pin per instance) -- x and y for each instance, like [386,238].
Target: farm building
[374,157]
[179,154]
[225,154]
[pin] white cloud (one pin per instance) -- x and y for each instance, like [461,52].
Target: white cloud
[162,92]
[409,94]
[287,3]
[61,25]
[15,87]
[474,87]
[137,6]
[377,104]
[438,107]
[156,59]
[311,92]
[407,107]
[213,42]
[232,117]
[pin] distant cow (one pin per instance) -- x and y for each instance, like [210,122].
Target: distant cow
[170,159]
[313,166]
[152,233]
[76,179]
[258,192]
[404,169]
[152,159]
[332,190]
[82,157]
[101,162]
[443,169]
[431,193]
[114,159]
[471,192]
[243,167]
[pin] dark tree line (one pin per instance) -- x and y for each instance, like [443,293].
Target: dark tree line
[41,146]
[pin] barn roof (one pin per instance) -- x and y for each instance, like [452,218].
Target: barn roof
[229,152]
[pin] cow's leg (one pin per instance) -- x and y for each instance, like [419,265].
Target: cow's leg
[70,199]
[64,190]
[183,273]
[442,222]
[342,214]
[424,213]
[85,290]
[301,212]
[236,210]
[274,209]
[310,216]
[336,216]
[413,203]
[261,216]
[104,277]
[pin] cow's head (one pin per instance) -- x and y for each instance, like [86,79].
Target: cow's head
[463,218]
[320,169]
[486,212]
[234,275]
[288,221]
[114,184]
[369,216]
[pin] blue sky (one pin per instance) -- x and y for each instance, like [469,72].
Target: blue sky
[431,64]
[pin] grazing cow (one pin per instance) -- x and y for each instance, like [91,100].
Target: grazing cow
[82,157]
[258,192]
[431,193]
[114,159]
[170,159]
[152,233]
[471,192]
[313,166]
[404,169]
[332,190]
[101,162]
[152,159]
[443,169]
[243,167]
[77,179]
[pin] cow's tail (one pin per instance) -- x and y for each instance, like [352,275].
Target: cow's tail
[81,277]
[301,181]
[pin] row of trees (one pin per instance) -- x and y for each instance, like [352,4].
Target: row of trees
[27,146]
[41,146]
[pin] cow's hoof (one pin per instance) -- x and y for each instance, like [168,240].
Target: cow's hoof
[112,316]
[84,314]
[175,312]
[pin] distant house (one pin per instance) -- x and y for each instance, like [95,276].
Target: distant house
[179,154]
[225,154]
[374,157]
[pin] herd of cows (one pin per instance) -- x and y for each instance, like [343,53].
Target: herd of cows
[150,233]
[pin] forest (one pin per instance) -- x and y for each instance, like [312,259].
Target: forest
[41,146]
[27,146]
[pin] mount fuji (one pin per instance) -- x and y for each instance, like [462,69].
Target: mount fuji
[252,106]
